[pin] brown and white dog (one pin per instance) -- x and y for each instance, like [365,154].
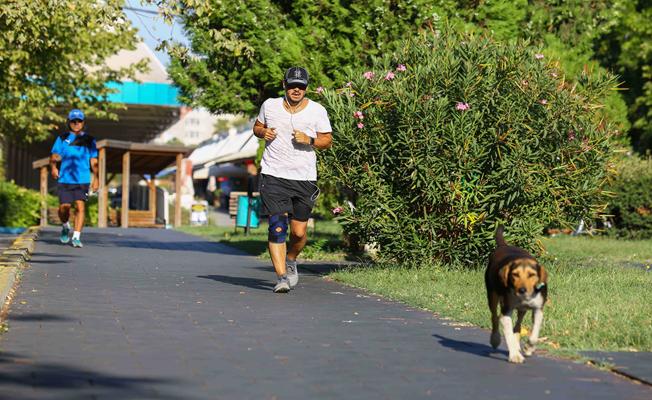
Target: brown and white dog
[515,281]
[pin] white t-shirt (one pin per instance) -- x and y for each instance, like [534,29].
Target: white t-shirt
[283,158]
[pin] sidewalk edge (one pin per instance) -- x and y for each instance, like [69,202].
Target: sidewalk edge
[12,261]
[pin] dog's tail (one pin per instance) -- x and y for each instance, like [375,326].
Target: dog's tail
[500,240]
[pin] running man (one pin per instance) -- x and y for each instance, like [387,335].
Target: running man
[292,127]
[77,152]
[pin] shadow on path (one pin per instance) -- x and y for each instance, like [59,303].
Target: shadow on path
[18,370]
[38,318]
[151,239]
[310,268]
[474,348]
[252,283]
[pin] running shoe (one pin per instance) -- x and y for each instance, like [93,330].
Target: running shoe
[293,272]
[282,285]
[65,235]
[77,243]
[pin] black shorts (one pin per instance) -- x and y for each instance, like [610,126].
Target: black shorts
[70,192]
[280,196]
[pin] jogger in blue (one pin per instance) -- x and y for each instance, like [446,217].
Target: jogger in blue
[77,152]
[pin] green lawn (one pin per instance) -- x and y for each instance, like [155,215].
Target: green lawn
[600,293]
[324,241]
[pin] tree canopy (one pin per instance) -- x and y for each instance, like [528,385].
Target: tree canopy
[240,48]
[53,53]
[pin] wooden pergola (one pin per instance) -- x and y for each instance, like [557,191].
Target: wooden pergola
[126,158]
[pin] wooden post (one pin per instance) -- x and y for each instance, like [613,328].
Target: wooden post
[152,197]
[126,172]
[44,194]
[177,192]
[103,195]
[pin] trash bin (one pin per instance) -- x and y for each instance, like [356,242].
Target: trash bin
[241,216]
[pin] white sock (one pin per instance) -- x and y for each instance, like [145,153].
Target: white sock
[66,225]
[76,235]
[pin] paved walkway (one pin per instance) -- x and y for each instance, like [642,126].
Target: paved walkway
[140,314]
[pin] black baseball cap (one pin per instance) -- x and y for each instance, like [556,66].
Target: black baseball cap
[296,75]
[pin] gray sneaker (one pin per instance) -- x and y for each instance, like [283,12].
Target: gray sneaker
[282,285]
[293,272]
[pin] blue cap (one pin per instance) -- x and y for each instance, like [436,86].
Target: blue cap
[75,114]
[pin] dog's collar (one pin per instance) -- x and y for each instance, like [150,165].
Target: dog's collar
[539,286]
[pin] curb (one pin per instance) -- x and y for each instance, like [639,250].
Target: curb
[14,259]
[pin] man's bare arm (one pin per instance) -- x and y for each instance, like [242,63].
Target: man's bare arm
[95,167]
[263,132]
[324,140]
[54,158]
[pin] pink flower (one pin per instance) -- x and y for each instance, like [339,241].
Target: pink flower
[358,115]
[543,101]
[348,84]
[360,125]
[319,89]
[369,75]
[337,210]
[351,94]
[554,74]
[462,106]
[390,75]
[539,56]
[401,68]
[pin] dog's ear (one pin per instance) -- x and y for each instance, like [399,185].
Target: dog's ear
[543,274]
[503,273]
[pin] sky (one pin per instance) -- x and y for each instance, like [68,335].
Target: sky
[151,27]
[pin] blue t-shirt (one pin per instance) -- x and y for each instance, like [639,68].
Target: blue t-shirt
[75,158]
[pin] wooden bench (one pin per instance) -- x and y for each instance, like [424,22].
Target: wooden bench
[137,218]
[142,219]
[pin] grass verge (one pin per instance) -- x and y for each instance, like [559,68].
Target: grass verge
[599,293]
[324,241]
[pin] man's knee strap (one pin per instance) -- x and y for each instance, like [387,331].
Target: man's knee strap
[278,228]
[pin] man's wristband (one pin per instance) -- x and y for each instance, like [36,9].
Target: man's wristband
[312,141]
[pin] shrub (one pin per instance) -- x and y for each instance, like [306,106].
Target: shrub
[19,207]
[631,207]
[91,211]
[454,134]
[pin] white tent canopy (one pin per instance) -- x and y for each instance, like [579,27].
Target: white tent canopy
[232,147]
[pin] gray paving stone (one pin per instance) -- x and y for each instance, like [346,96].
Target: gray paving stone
[635,364]
[139,314]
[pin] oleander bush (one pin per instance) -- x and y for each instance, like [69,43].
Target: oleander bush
[454,134]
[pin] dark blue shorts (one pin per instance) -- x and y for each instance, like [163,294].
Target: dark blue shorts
[70,192]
